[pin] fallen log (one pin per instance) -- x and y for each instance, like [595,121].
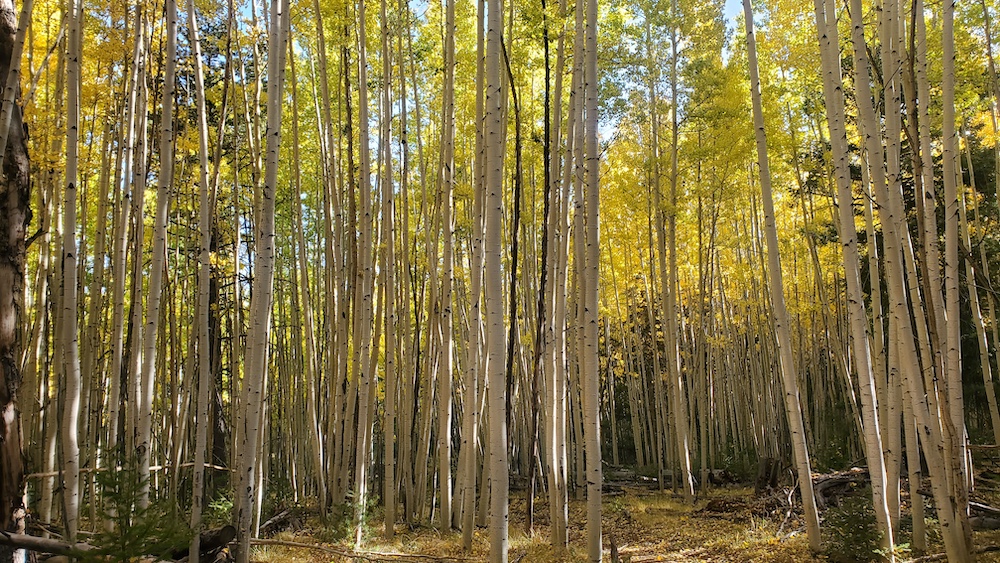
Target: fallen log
[984,523]
[211,541]
[44,545]
[829,487]
[983,508]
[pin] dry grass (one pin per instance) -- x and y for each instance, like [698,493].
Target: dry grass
[645,525]
[726,525]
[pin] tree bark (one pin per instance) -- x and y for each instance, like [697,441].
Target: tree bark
[389,266]
[14,218]
[589,363]
[495,346]
[261,299]
[70,329]
[793,408]
[204,371]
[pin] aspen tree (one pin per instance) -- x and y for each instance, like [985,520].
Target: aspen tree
[495,348]
[542,294]
[953,346]
[474,346]
[661,233]
[389,266]
[926,206]
[911,337]
[447,183]
[975,306]
[16,213]
[204,272]
[362,369]
[50,214]
[554,364]
[138,184]
[575,321]
[589,362]
[826,24]
[332,220]
[310,361]
[70,329]
[91,358]
[793,408]
[151,325]
[262,296]
[406,341]
[671,284]
[889,36]
[12,84]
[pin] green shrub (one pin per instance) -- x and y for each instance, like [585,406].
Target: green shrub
[851,531]
[155,530]
[337,523]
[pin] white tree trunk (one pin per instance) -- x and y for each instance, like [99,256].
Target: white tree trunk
[953,334]
[389,266]
[363,315]
[147,383]
[589,363]
[70,329]
[202,422]
[672,335]
[495,346]
[120,244]
[474,345]
[793,407]
[976,308]
[858,319]
[445,367]
[260,301]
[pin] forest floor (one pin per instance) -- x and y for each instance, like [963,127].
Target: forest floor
[727,524]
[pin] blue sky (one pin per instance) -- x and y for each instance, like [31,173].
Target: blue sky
[731,10]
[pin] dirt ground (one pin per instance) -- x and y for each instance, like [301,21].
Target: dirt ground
[724,525]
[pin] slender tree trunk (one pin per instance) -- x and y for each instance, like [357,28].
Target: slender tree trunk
[542,299]
[147,383]
[70,329]
[556,321]
[953,345]
[590,372]
[793,408]
[261,299]
[672,286]
[389,266]
[858,318]
[205,381]
[474,345]
[445,367]
[494,163]
[311,358]
[363,315]
[976,308]
[16,215]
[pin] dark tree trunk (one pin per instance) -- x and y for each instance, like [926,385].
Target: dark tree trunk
[14,217]
[217,481]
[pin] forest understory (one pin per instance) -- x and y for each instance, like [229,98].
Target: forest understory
[332,271]
[641,523]
[727,524]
